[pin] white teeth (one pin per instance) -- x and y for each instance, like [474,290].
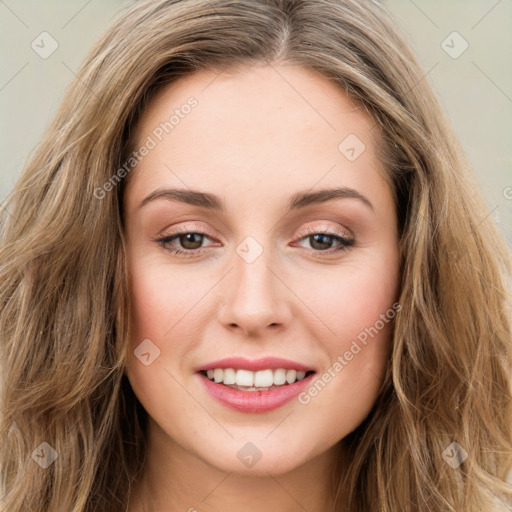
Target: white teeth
[264,378]
[290,376]
[279,377]
[229,376]
[243,378]
[218,374]
[260,379]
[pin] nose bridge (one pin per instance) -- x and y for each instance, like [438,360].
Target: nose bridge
[254,296]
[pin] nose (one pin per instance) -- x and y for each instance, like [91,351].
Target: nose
[255,297]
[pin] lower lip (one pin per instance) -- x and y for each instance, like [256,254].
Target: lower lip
[255,401]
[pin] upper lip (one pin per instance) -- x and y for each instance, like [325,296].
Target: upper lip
[264,363]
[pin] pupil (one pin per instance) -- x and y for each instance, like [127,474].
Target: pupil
[189,238]
[322,240]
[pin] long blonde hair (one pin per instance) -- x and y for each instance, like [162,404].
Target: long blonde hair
[65,307]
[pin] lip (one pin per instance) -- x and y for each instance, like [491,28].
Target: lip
[254,402]
[264,363]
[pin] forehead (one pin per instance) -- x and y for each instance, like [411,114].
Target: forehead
[263,130]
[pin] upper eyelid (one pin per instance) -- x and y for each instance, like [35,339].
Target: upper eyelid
[325,230]
[308,231]
[185,227]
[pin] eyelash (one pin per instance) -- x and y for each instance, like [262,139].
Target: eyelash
[345,243]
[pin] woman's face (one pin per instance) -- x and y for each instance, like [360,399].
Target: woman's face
[274,266]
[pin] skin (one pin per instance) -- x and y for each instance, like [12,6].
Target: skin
[256,137]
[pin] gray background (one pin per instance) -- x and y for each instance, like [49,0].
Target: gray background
[475,89]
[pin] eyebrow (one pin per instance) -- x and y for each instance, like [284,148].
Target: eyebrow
[297,201]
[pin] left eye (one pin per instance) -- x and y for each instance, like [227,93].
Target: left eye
[191,242]
[320,240]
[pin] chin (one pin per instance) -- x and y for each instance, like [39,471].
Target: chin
[258,457]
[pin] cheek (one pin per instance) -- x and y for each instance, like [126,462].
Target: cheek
[160,299]
[161,312]
[352,298]
[356,307]
[167,309]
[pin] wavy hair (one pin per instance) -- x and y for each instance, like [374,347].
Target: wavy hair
[65,306]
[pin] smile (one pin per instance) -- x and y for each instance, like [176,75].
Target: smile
[253,399]
[247,380]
